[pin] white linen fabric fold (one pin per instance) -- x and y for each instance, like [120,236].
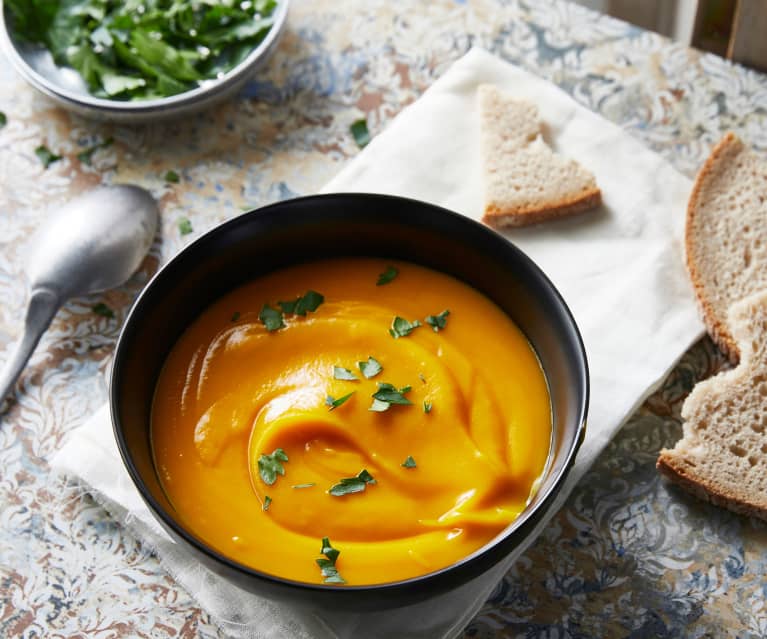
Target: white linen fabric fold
[620,269]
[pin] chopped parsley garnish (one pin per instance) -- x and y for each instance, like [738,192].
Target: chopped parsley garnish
[387,394]
[172,176]
[271,318]
[267,502]
[235,316]
[408,463]
[86,154]
[46,156]
[438,322]
[310,301]
[269,466]
[426,406]
[103,310]
[327,563]
[3,119]
[360,132]
[370,368]
[349,485]
[339,372]
[387,276]
[400,327]
[307,485]
[184,226]
[334,403]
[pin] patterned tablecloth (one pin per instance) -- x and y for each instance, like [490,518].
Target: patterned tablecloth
[629,555]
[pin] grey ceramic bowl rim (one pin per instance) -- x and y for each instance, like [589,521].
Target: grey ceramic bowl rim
[200,94]
[450,574]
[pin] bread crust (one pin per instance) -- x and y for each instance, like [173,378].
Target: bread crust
[683,474]
[522,216]
[716,327]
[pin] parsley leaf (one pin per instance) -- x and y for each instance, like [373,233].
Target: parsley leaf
[327,563]
[86,154]
[267,502]
[271,318]
[306,485]
[370,368]
[3,119]
[387,276]
[438,322]
[335,403]
[103,310]
[400,327]
[378,406]
[389,394]
[269,466]
[426,406]
[344,373]
[408,463]
[310,301]
[184,226]
[360,132]
[46,156]
[172,176]
[350,485]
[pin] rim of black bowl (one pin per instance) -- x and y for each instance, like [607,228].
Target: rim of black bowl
[200,94]
[442,579]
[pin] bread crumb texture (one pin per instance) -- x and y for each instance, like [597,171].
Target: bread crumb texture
[525,180]
[726,235]
[722,456]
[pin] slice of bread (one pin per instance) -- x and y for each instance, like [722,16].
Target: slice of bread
[722,457]
[726,235]
[525,181]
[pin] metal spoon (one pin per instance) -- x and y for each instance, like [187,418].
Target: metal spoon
[92,243]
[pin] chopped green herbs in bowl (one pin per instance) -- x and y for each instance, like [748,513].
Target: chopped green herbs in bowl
[139,59]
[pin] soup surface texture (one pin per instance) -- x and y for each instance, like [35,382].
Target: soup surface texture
[254,429]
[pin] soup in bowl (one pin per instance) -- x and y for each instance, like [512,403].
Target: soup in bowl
[361,399]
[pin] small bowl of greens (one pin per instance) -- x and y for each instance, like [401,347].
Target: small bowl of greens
[139,60]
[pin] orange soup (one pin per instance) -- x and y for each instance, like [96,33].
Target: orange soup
[351,421]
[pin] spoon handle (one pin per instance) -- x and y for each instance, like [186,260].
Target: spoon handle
[43,304]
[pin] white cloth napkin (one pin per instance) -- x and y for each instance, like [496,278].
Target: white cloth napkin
[620,269]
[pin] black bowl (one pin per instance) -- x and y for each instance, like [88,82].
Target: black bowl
[335,225]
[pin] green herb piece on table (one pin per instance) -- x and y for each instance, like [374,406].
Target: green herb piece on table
[103,310]
[334,403]
[387,276]
[350,485]
[137,51]
[172,176]
[370,368]
[344,373]
[327,563]
[3,119]
[269,466]
[426,407]
[46,156]
[400,327]
[271,318]
[360,132]
[438,322]
[408,463]
[267,502]
[86,155]
[184,226]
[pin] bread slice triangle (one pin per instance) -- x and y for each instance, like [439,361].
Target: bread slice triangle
[726,234]
[525,180]
[722,456]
